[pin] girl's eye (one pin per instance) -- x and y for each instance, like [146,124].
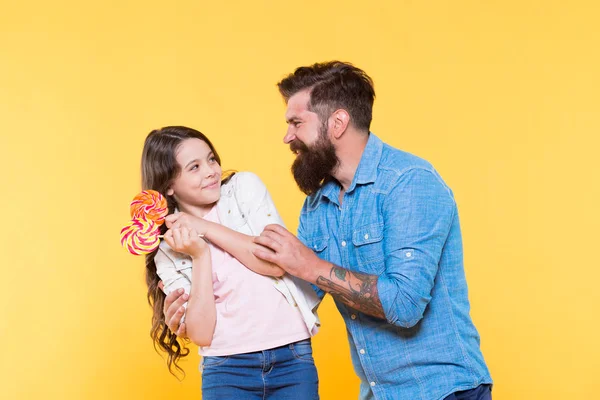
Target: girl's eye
[195,166]
[212,159]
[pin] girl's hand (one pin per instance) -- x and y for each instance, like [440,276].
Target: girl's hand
[183,220]
[184,240]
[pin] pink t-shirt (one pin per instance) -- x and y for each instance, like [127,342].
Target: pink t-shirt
[252,315]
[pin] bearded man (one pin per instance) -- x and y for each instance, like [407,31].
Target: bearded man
[379,231]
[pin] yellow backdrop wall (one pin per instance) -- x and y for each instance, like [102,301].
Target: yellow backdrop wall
[501,96]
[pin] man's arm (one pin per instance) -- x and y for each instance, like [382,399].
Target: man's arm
[418,214]
[355,289]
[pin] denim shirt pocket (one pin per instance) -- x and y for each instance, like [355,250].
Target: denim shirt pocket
[319,246]
[368,243]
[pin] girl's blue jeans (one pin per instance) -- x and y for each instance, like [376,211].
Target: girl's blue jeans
[286,372]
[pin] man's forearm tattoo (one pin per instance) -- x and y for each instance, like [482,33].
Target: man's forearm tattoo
[354,289]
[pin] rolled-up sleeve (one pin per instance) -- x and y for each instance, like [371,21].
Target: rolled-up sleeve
[172,278]
[255,202]
[417,214]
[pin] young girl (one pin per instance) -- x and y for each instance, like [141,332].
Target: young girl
[252,322]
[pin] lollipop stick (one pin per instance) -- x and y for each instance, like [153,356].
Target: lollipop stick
[162,236]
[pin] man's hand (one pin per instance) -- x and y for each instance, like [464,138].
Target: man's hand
[288,253]
[174,310]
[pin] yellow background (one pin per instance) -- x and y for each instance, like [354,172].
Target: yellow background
[501,96]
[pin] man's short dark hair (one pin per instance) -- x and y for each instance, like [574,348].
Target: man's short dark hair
[334,85]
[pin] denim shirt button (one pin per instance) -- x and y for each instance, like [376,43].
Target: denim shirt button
[372,384]
[353,316]
[343,243]
[362,351]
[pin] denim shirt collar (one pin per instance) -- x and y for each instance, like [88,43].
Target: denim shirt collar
[367,168]
[365,173]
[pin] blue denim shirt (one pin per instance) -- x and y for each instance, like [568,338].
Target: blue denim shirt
[399,221]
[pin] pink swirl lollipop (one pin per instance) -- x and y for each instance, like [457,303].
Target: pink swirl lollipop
[151,205]
[140,236]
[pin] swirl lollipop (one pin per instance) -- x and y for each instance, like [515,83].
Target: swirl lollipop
[140,236]
[151,205]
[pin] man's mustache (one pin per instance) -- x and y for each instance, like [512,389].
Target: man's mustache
[297,146]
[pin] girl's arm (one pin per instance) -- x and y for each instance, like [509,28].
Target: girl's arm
[201,316]
[254,200]
[237,244]
[240,246]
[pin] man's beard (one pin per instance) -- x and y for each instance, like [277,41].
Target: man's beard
[313,166]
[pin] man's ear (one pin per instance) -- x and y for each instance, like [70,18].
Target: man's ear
[339,122]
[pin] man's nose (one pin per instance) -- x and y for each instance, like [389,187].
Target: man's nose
[289,137]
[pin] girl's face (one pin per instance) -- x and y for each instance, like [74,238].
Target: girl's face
[198,184]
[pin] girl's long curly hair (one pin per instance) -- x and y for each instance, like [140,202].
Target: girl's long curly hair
[159,170]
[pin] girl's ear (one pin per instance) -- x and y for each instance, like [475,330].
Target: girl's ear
[170,192]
